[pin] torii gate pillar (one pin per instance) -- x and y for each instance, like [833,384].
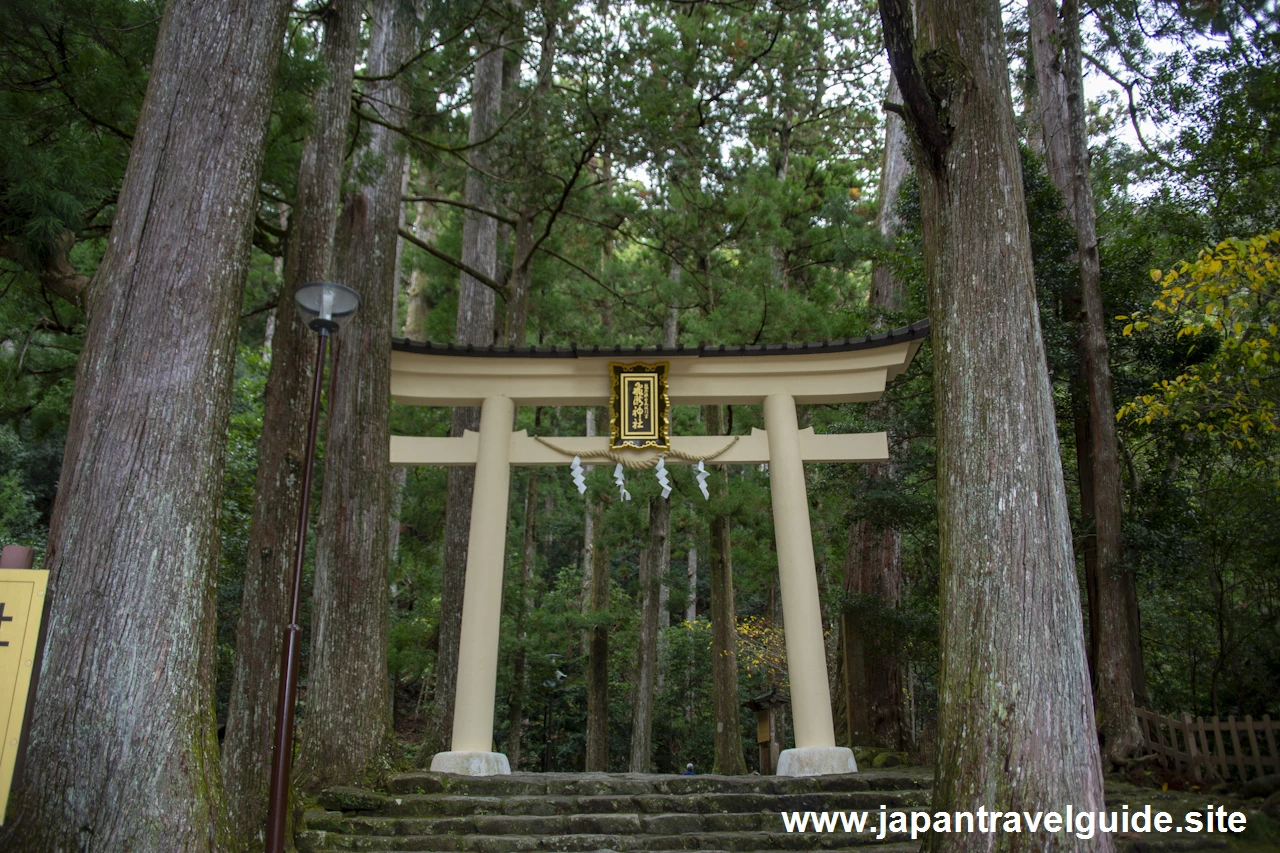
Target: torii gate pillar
[778,376]
[815,752]
[471,752]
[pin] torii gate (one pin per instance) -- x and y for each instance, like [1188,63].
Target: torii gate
[497,380]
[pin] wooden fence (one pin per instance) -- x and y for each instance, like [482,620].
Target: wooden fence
[1213,749]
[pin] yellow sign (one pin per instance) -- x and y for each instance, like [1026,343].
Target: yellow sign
[639,408]
[21,606]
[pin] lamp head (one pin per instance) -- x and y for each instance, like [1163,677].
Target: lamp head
[326,306]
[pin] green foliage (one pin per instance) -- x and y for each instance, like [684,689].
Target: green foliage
[721,161]
[1228,296]
[19,519]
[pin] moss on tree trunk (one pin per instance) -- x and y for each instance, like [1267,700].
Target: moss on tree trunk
[1015,716]
[123,752]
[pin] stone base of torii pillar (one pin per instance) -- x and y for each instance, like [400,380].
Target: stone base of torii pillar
[816,761]
[497,381]
[471,763]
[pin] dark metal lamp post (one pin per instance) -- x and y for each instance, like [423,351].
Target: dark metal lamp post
[326,307]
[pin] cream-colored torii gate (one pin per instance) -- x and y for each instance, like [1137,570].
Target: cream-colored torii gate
[497,380]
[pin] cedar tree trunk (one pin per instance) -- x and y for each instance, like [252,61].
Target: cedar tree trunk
[347,723]
[873,676]
[729,759]
[1015,722]
[646,656]
[598,651]
[123,753]
[524,606]
[264,603]
[1061,99]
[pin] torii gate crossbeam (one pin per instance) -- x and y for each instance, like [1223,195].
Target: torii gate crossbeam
[778,377]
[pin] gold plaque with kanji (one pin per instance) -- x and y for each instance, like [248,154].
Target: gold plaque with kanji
[639,408]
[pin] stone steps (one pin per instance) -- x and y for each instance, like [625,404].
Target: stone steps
[619,812]
[628,813]
[729,842]
[601,784]
[446,806]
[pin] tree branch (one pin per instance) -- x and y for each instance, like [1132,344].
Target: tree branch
[453,202]
[899,41]
[56,275]
[454,262]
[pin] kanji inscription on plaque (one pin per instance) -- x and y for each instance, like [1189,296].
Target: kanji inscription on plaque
[639,408]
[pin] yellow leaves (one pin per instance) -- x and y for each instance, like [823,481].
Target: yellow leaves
[1232,291]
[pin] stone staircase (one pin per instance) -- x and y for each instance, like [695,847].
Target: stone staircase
[605,812]
[624,812]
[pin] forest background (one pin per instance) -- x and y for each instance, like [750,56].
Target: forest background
[659,173]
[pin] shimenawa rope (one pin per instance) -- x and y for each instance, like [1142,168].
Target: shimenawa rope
[632,464]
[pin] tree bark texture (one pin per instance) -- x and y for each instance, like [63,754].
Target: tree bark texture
[598,652]
[521,280]
[264,603]
[475,324]
[729,759]
[1015,726]
[646,659]
[1060,84]
[524,606]
[347,722]
[1117,663]
[887,292]
[873,674]
[123,748]
[426,224]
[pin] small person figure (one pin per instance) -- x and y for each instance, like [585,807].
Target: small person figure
[688,770]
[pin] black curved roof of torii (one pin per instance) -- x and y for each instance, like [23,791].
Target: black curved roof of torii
[915,331]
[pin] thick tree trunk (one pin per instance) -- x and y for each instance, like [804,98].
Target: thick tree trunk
[264,605]
[474,326]
[123,752]
[521,279]
[1015,723]
[1051,97]
[598,653]
[346,726]
[1059,81]
[646,658]
[426,224]
[729,759]
[873,675]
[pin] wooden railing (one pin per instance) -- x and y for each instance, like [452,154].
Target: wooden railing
[1213,748]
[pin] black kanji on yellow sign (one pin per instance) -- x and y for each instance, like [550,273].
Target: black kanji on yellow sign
[639,408]
[21,604]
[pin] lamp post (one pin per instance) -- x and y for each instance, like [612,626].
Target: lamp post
[326,307]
